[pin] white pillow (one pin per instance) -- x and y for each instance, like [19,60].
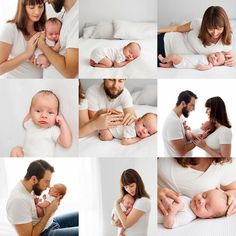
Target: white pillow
[147,96]
[103,30]
[88,31]
[134,30]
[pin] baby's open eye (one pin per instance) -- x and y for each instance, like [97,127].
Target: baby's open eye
[37,110]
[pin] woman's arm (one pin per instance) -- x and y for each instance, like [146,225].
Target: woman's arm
[5,49]
[176,28]
[230,59]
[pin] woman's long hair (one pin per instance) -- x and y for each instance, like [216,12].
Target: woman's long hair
[218,111]
[131,176]
[213,18]
[21,17]
[81,92]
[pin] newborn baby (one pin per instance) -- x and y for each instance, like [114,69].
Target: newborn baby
[114,57]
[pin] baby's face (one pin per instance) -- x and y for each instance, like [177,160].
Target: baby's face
[53,191]
[212,203]
[128,201]
[146,126]
[206,125]
[131,52]
[44,110]
[52,31]
[217,59]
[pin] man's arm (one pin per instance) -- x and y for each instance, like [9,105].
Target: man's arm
[181,147]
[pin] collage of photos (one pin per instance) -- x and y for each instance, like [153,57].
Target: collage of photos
[118,118]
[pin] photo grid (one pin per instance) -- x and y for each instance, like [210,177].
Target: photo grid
[121,118]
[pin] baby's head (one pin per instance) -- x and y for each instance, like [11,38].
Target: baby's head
[44,108]
[208,126]
[57,190]
[53,28]
[128,201]
[131,51]
[217,59]
[146,125]
[210,204]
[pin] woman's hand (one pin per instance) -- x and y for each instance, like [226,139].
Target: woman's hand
[164,197]
[200,143]
[232,204]
[41,40]
[31,45]
[230,60]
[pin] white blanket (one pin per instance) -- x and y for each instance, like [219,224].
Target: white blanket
[142,67]
[92,146]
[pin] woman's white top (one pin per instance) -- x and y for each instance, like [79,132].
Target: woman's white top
[11,35]
[83,104]
[189,43]
[140,228]
[222,135]
[188,181]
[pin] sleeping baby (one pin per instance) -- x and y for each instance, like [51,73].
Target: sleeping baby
[114,57]
[205,205]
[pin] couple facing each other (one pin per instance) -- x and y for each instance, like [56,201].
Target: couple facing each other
[190,188]
[215,135]
[26,49]
[131,211]
[28,215]
[198,44]
[98,111]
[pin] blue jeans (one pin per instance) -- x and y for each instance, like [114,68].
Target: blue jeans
[65,225]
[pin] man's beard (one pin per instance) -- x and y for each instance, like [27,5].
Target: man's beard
[185,112]
[111,95]
[57,5]
[37,190]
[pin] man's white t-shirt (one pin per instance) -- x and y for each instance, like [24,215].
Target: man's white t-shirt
[184,216]
[97,99]
[69,37]
[21,207]
[173,129]
[11,35]
[189,43]
[222,135]
[189,182]
[140,228]
[39,142]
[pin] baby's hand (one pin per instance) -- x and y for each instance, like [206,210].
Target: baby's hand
[92,63]
[60,119]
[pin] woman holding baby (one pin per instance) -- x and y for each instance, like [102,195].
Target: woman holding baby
[136,222]
[211,34]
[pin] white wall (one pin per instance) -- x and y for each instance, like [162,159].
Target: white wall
[172,11]
[134,10]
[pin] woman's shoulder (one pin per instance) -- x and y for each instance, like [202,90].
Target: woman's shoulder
[143,204]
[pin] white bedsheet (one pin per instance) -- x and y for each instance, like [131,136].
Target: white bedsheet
[142,67]
[225,226]
[215,72]
[92,146]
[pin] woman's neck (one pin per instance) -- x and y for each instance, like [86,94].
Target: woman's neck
[69,4]
[203,165]
[30,28]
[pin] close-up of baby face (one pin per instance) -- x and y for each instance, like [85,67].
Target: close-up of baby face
[44,110]
[217,59]
[131,51]
[210,204]
[52,30]
[53,191]
[128,201]
[206,126]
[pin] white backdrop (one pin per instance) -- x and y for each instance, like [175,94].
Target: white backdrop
[15,99]
[169,89]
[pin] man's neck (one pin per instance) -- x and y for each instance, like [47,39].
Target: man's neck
[69,4]
[178,111]
[27,185]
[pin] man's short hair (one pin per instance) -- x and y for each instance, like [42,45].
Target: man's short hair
[185,96]
[38,168]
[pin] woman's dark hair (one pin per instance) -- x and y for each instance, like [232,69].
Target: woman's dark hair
[187,161]
[131,176]
[38,168]
[213,18]
[218,111]
[185,96]
[81,92]
[21,17]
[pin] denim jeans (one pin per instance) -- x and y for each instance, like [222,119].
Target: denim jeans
[65,225]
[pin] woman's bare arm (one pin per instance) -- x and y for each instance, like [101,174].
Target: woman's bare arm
[176,28]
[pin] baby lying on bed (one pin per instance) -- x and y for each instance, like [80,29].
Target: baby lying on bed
[205,205]
[57,190]
[126,206]
[199,62]
[205,129]
[114,57]
[143,127]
